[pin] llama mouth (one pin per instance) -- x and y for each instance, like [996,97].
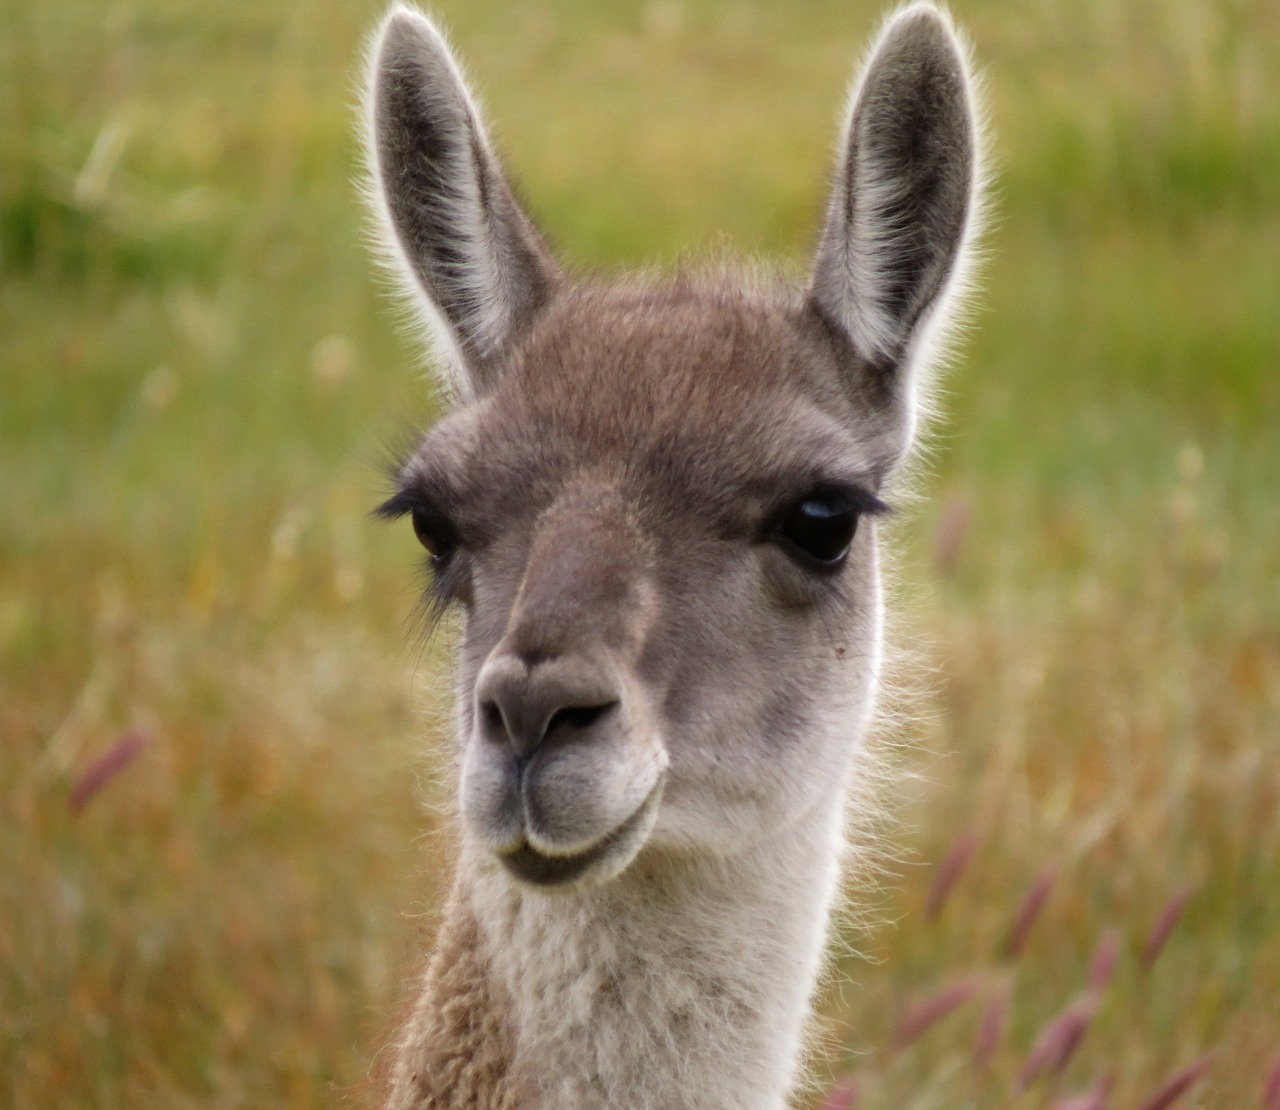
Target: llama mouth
[531,866]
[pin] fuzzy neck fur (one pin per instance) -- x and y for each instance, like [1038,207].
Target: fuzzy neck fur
[684,982]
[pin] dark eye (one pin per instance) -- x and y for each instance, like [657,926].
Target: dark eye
[819,530]
[435,533]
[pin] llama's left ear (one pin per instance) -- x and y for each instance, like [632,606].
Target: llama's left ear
[902,212]
[472,261]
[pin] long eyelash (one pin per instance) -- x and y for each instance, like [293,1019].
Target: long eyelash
[441,588]
[399,504]
[427,618]
[845,494]
[859,499]
[438,594]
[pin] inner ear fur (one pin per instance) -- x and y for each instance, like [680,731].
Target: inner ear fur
[896,244]
[474,265]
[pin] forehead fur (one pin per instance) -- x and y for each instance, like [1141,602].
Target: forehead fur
[665,352]
[731,387]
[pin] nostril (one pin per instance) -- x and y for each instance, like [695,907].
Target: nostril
[520,709]
[577,717]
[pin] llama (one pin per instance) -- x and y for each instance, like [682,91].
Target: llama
[654,506]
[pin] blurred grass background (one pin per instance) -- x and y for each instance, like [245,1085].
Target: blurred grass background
[197,376]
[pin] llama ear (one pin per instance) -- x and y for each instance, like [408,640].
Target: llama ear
[471,260]
[902,211]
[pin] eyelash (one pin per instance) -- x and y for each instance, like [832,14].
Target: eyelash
[857,498]
[436,535]
[800,535]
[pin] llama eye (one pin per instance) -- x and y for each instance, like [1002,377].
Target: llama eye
[819,530]
[435,533]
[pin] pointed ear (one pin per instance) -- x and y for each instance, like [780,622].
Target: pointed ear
[902,214]
[472,262]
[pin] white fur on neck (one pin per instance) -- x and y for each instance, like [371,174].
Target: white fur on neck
[682,983]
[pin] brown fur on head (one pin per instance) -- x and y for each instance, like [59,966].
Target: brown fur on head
[655,504]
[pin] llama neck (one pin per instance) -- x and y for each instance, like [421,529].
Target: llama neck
[683,983]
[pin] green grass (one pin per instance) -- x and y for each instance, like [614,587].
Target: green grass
[198,375]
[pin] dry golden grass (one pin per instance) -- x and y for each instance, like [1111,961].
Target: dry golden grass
[198,376]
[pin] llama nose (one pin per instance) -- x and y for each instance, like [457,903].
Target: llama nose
[523,705]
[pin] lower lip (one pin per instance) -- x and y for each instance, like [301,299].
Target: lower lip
[533,867]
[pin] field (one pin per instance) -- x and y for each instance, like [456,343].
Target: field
[199,377]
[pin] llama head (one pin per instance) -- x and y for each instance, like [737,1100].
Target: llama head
[655,505]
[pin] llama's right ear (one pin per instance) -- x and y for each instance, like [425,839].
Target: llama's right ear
[900,223]
[475,266]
